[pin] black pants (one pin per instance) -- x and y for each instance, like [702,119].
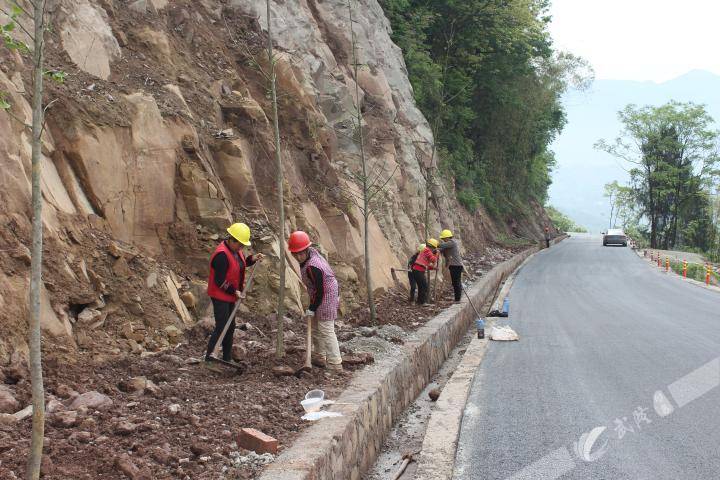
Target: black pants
[222,311]
[456,277]
[422,286]
[413,285]
[547,243]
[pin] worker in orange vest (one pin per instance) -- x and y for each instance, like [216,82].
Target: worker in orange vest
[411,277]
[226,283]
[425,261]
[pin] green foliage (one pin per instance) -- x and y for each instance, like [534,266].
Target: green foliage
[56,75]
[695,271]
[12,43]
[486,77]
[504,239]
[673,151]
[562,222]
[7,29]
[469,199]
[4,105]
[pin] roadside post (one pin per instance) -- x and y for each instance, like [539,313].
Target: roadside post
[684,268]
[667,264]
[659,261]
[707,274]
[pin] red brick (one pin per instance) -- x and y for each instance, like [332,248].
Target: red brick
[257,441]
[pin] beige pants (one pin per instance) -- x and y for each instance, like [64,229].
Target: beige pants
[325,342]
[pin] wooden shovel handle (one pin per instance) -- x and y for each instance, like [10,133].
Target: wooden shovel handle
[308,343]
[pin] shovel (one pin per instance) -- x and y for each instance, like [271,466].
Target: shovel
[396,280]
[471,303]
[434,287]
[308,349]
[234,312]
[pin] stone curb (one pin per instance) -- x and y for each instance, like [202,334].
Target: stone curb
[345,447]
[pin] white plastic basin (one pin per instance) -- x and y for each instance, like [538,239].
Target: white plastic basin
[312,404]
[315,394]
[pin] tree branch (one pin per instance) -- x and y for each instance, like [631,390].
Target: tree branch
[32,37]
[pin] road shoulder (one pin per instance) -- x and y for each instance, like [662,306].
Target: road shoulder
[437,456]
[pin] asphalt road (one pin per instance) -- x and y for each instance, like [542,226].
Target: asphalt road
[606,340]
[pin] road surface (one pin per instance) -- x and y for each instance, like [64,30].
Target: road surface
[607,345]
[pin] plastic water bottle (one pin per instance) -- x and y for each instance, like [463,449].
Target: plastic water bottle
[506,306]
[480,323]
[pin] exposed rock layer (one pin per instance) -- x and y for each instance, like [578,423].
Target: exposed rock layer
[160,138]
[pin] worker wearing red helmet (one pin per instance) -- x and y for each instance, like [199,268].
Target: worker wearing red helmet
[322,287]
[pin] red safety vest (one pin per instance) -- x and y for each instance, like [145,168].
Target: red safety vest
[235,274]
[425,261]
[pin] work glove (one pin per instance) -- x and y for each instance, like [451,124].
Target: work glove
[309,313]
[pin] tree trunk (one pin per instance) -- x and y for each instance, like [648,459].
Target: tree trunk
[676,214]
[367,210]
[36,373]
[280,340]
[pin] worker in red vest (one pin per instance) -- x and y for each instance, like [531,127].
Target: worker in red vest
[227,282]
[424,262]
[411,277]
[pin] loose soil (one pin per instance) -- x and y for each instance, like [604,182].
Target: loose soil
[197,442]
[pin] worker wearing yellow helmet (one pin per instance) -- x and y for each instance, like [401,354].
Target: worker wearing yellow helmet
[424,261]
[226,283]
[411,278]
[450,248]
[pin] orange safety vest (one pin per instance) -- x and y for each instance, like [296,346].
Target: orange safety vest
[425,261]
[235,275]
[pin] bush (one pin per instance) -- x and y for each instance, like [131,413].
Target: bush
[469,200]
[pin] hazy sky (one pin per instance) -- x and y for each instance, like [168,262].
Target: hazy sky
[640,39]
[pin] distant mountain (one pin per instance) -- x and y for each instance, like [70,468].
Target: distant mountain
[582,171]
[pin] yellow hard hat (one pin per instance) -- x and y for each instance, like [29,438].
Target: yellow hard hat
[445,234]
[433,243]
[421,247]
[240,232]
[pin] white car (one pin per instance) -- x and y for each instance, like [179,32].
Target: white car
[615,236]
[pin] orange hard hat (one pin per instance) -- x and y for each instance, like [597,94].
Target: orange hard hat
[298,241]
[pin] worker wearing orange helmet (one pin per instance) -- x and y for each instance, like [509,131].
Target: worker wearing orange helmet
[425,261]
[227,282]
[324,292]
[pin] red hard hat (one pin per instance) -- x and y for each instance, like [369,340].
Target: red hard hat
[298,241]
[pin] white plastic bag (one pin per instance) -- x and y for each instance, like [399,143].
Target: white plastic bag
[312,416]
[503,334]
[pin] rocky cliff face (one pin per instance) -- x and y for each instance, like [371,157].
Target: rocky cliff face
[160,138]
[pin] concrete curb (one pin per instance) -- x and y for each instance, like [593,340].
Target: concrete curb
[345,447]
[437,457]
